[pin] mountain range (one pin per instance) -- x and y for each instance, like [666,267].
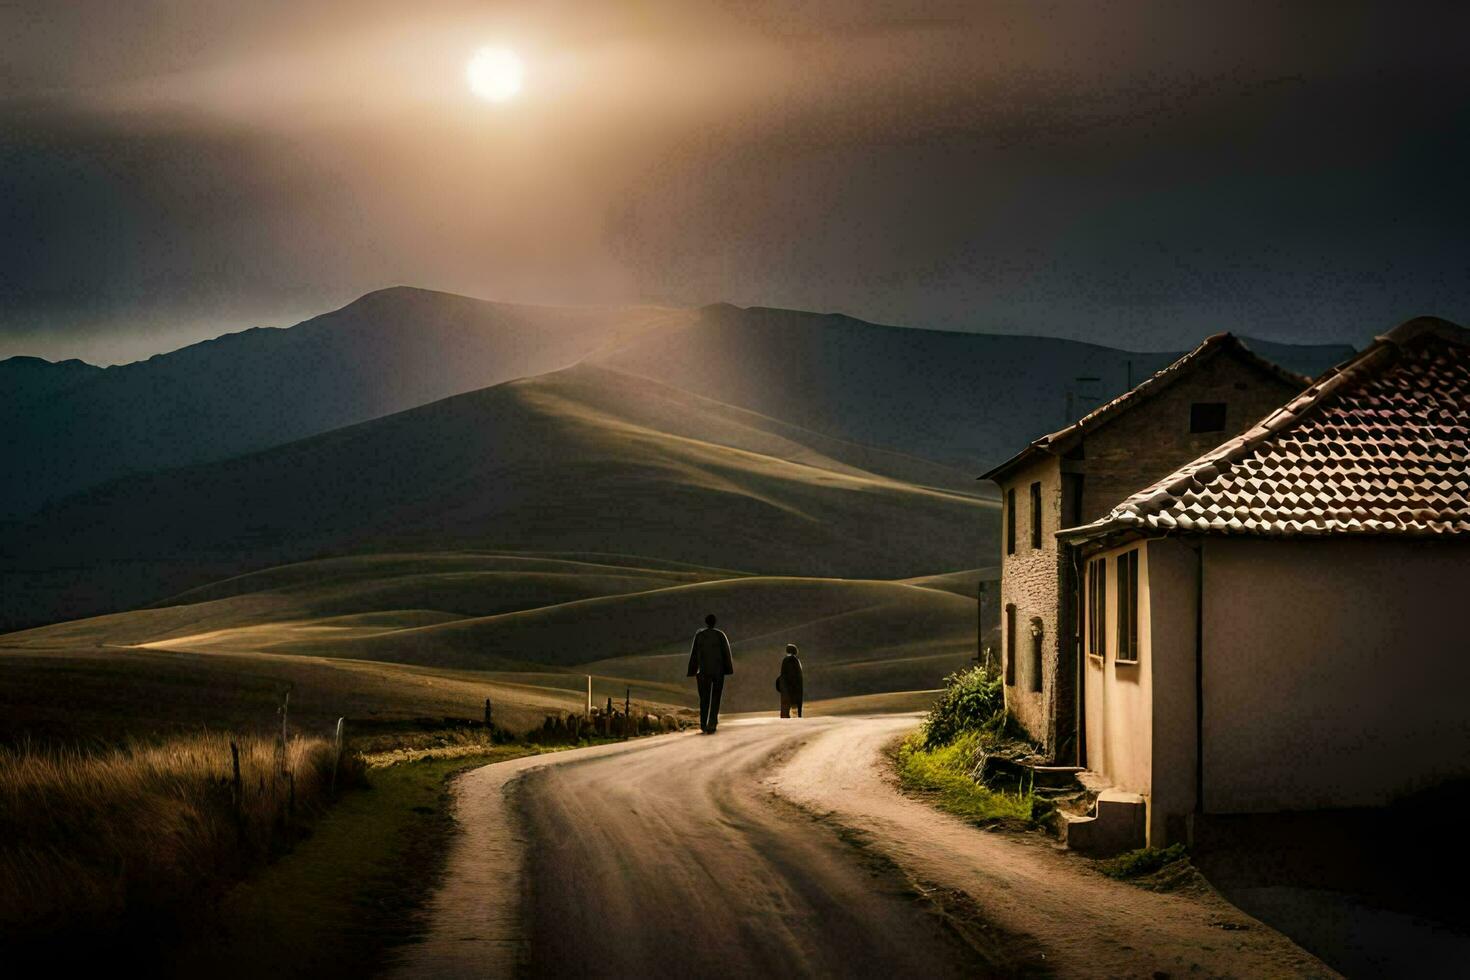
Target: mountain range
[962,399]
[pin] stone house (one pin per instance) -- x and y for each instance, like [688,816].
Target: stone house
[1079,473]
[1272,626]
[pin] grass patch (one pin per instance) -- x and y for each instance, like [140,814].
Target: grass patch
[948,772]
[129,848]
[1142,862]
[355,889]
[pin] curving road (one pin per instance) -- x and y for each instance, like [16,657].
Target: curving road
[781,847]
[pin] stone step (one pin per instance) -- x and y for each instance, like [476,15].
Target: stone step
[1117,824]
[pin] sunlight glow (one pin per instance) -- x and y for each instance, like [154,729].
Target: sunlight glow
[494,74]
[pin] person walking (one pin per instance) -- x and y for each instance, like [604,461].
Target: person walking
[709,664]
[789,682]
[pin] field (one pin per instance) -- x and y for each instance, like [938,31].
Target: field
[403,640]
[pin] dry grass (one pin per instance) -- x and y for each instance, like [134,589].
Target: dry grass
[134,843]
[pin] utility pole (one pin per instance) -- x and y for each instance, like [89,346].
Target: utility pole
[980,621]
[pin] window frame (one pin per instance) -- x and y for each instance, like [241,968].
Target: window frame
[1038,636]
[1097,608]
[1036,515]
[1010,645]
[1126,626]
[1011,521]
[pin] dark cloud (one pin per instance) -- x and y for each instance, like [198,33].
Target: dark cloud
[1132,173]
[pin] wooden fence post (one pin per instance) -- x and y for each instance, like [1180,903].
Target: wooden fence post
[237,791]
[337,756]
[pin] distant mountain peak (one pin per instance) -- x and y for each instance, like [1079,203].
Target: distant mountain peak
[27,362]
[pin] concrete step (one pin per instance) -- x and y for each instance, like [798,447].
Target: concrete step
[1117,824]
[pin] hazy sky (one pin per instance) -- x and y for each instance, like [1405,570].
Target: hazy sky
[1136,174]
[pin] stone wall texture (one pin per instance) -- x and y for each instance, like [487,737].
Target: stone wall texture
[1031,580]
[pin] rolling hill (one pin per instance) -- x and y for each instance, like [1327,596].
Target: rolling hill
[582,460]
[69,426]
[386,637]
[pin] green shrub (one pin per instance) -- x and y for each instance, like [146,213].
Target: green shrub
[970,702]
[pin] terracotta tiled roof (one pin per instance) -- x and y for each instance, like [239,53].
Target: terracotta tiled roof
[1063,439]
[1378,445]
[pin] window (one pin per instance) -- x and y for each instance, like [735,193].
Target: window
[1127,607]
[1036,515]
[1036,654]
[1011,521]
[1010,646]
[1207,417]
[1097,610]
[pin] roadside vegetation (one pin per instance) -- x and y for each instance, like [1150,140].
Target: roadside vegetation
[945,758]
[342,900]
[124,845]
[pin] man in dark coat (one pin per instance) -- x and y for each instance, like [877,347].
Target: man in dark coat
[709,662]
[789,683]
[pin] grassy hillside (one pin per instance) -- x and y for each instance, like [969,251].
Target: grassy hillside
[397,637]
[388,351]
[583,460]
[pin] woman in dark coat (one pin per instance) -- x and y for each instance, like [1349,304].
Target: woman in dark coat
[789,683]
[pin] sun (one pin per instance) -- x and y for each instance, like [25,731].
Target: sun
[494,74]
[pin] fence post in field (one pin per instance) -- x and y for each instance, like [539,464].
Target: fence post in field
[588,711]
[627,709]
[282,711]
[337,756]
[237,790]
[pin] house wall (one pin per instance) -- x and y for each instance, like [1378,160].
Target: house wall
[1170,585]
[1030,579]
[1146,443]
[1336,671]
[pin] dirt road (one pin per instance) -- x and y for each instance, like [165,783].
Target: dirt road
[781,847]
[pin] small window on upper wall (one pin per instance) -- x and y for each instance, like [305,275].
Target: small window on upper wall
[1207,417]
[1036,515]
[1011,521]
